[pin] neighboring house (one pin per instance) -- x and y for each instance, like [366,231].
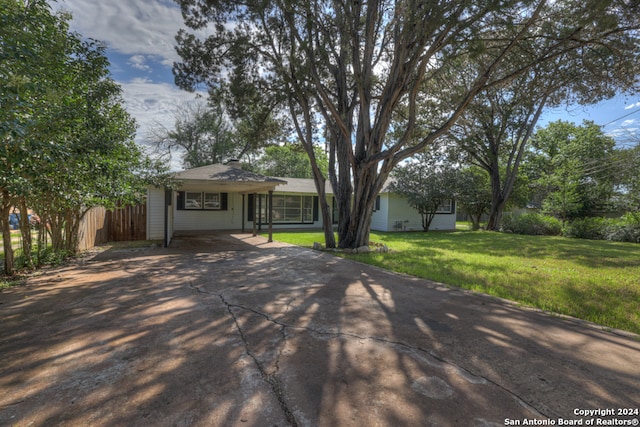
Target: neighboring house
[225,197]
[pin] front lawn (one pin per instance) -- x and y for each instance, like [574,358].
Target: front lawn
[597,281]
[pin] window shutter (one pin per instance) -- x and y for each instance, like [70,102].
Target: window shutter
[250,207]
[224,197]
[180,200]
[377,208]
[315,208]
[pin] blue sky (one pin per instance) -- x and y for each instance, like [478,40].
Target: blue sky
[139,35]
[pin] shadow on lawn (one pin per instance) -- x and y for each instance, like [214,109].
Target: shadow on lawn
[284,336]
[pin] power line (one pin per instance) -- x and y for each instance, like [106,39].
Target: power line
[622,117]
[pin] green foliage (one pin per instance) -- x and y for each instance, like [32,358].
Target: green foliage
[624,229]
[66,138]
[625,164]
[425,184]
[289,160]
[573,177]
[54,258]
[473,194]
[202,135]
[593,228]
[532,224]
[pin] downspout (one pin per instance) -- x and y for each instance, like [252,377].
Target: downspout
[243,212]
[167,204]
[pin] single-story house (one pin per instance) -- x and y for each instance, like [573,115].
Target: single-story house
[226,197]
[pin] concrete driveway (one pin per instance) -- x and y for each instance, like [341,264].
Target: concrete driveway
[228,330]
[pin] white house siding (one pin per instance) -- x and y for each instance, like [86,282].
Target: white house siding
[155,213]
[400,211]
[198,220]
[380,217]
[443,222]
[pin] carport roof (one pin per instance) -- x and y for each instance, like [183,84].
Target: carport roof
[232,178]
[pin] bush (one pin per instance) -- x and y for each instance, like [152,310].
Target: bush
[532,224]
[625,229]
[593,228]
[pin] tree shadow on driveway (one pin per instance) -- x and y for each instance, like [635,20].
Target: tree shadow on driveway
[267,334]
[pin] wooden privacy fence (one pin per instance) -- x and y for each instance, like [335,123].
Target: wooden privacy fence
[122,224]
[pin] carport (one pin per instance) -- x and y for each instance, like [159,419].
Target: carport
[208,198]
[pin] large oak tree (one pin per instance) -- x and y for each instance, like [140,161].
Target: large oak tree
[366,70]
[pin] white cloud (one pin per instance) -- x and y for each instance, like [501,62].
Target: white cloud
[628,122]
[629,107]
[129,27]
[144,32]
[152,103]
[139,62]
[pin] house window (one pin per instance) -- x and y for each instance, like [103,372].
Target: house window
[292,209]
[286,208]
[212,200]
[445,207]
[197,200]
[193,200]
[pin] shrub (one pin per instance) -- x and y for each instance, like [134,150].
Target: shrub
[593,228]
[624,229]
[532,224]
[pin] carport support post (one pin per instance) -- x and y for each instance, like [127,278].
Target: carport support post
[270,216]
[255,212]
[243,212]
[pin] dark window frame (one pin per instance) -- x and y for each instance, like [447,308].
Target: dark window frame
[183,200]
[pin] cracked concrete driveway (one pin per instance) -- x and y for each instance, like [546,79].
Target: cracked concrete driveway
[228,330]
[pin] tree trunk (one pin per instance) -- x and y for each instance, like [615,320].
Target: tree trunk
[42,242]
[56,223]
[367,184]
[427,219]
[340,180]
[325,210]
[25,231]
[475,221]
[5,228]
[497,201]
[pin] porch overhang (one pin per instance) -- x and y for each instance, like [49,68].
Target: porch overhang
[226,178]
[228,187]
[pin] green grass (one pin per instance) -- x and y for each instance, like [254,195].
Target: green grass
[592,280]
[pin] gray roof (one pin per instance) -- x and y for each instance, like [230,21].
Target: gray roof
[220,172]
[302,185]
[230,178]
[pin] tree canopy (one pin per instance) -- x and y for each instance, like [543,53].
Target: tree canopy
[426,184]
[572,169]
[377,79]
[66,139]
[201,135]
[288,160]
